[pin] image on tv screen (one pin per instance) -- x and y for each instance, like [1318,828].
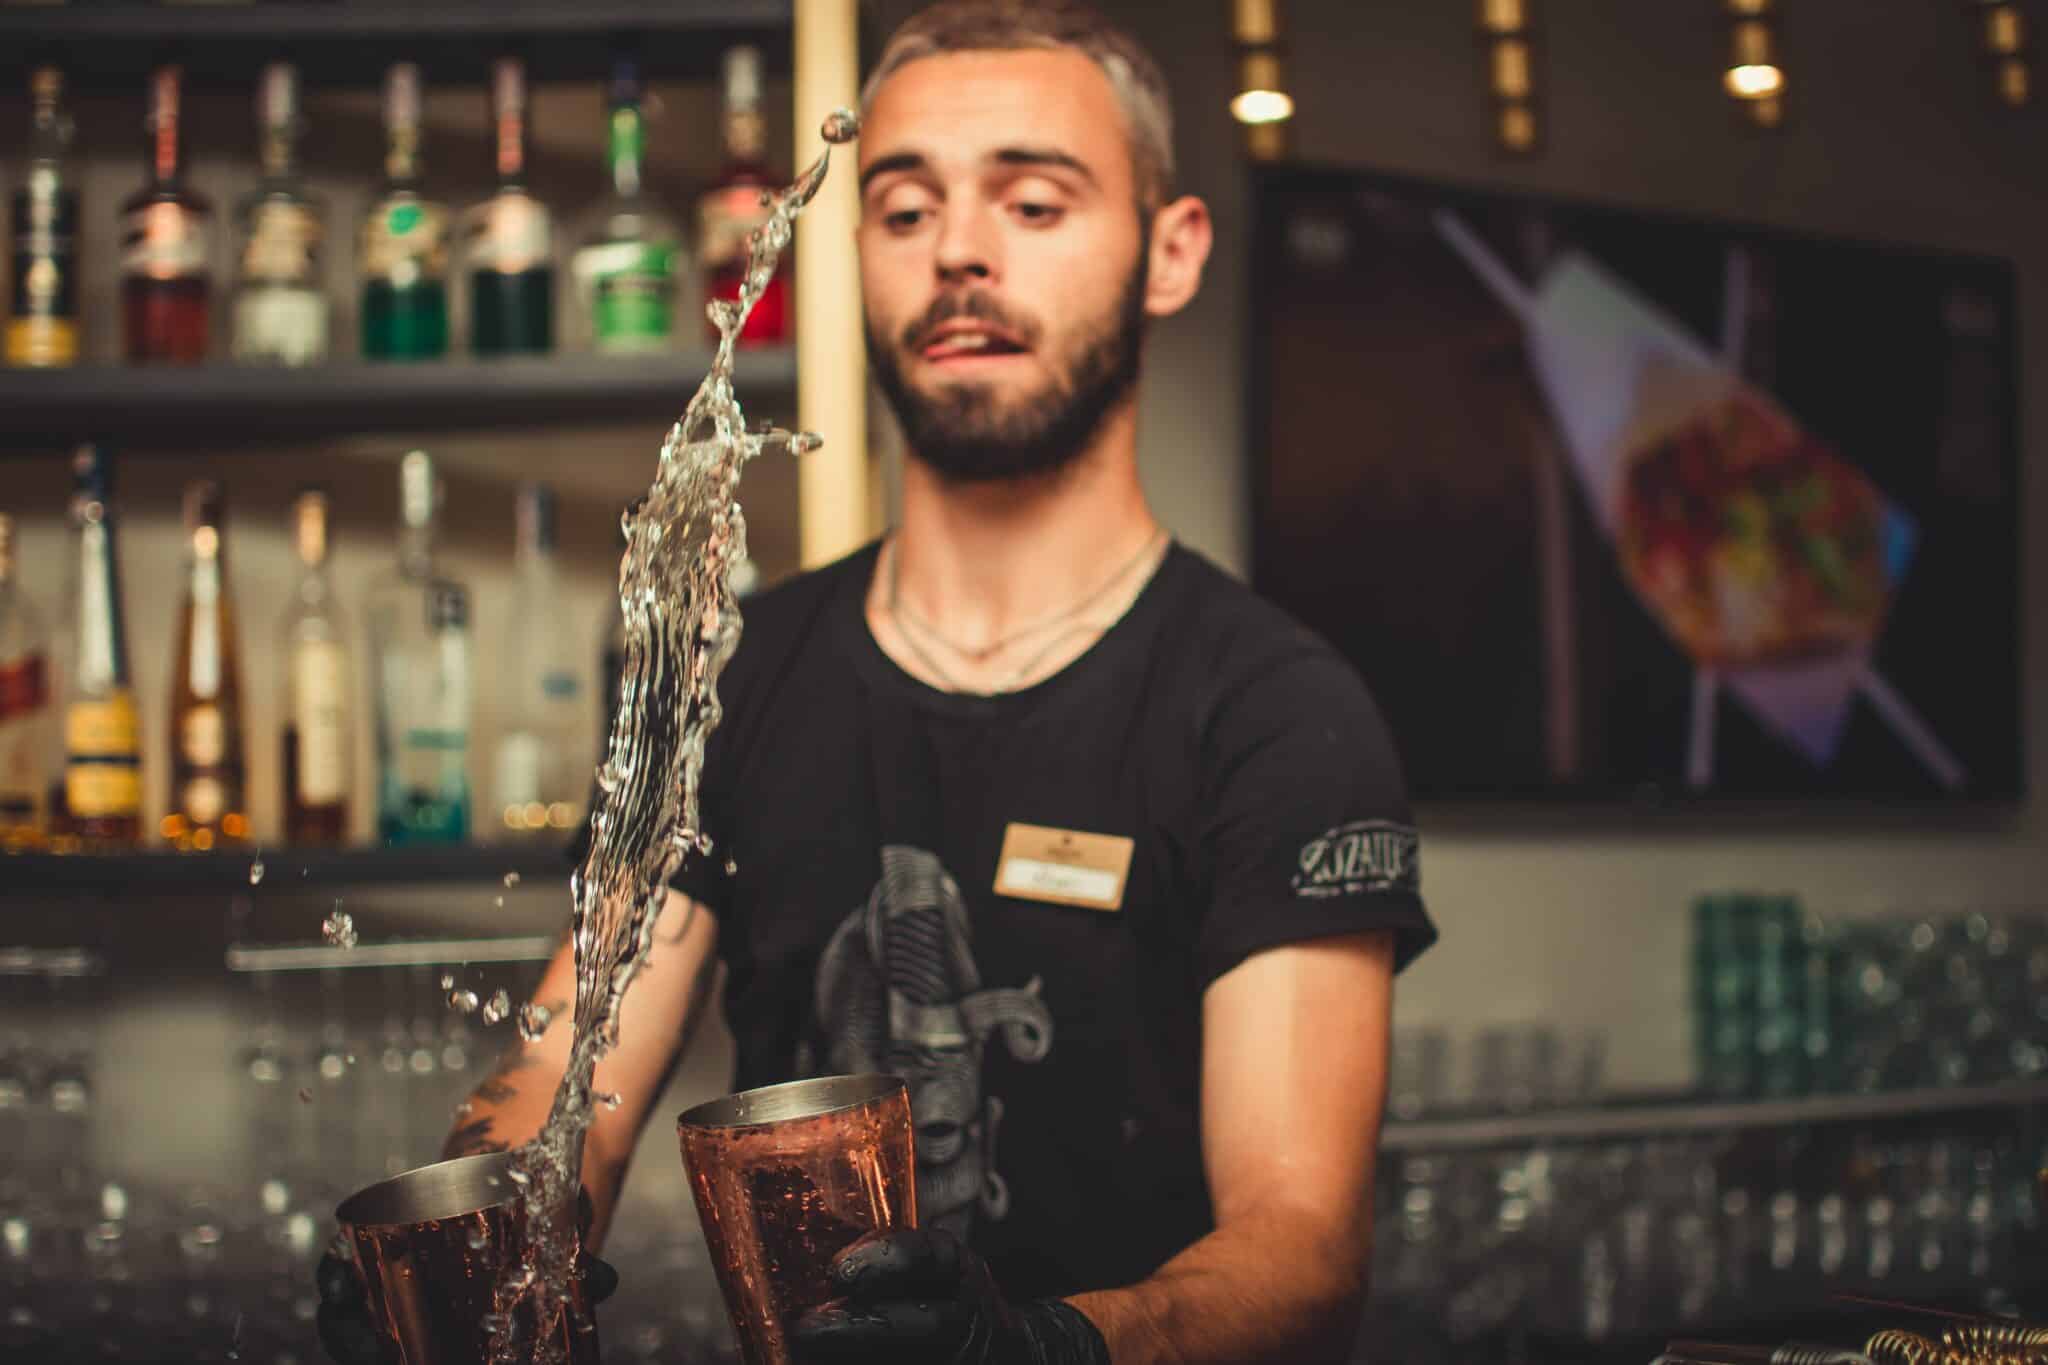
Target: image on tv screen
[1612,504]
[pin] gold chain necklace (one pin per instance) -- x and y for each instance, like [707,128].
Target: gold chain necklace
[909,625]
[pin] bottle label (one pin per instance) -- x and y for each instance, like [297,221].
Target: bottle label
[163,241]
[283,246]
[203,736]
[632,290]
[319,682]
[24,687]
[281,323]
[45,235]
[724,218]
[405,243]
[103,764]
[516,235]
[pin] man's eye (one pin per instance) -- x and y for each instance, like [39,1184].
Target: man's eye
[902,220]
[1037,213]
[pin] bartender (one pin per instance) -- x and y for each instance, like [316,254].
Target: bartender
[1030,805]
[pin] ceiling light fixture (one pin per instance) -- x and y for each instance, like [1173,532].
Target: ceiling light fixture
[1507,32]
[1262,103]
[1753,76]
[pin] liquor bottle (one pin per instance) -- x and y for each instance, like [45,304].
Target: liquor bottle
[102,736]
[43,326]
[208,806]
[166,247]
[280,306]
[511,239]
[316,689]
[25,715]
[545,755]
[420,660]
[404,244]
[631,256]
[732,208]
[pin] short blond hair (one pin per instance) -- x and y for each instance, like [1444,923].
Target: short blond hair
[1012,25]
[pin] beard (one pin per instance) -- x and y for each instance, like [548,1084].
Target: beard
[968,435]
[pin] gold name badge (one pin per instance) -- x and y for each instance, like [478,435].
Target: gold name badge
[1064,867]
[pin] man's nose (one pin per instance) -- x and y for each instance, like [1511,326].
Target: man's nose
[967,248]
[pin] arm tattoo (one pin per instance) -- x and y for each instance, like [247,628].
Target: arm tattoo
[471,1139]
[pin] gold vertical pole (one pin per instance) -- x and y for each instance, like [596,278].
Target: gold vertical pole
[831,363]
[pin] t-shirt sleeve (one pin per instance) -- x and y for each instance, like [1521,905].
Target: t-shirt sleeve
[1306,830]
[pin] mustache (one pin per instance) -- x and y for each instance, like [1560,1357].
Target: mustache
[979,306]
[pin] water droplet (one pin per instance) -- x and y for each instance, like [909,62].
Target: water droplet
[608,1098]
[256,871]
[499,902]
[534,1019]
[462,1001]
[339,928]
[447,981]
[305,1095]
[511,879]
[732,867]
[478,1238]
[804,442]
[497,1007]
[841,127]
[519,1177]
[465,1109]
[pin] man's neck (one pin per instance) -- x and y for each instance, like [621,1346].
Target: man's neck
[979,561]
[992,587]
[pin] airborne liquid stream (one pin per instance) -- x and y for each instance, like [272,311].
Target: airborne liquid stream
[682,623]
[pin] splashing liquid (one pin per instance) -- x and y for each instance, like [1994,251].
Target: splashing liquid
[683,540]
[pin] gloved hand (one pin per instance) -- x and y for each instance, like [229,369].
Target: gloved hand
[922,1297]
[350,1337]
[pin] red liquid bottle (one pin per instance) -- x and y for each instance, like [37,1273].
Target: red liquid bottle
[732,208]
[166,247]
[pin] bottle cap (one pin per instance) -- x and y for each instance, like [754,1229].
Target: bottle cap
[535,516]
[402,95]
[277,96]
[92,471]
[508,86]
[743,76]
[419,491]
[625,87]
[205,503]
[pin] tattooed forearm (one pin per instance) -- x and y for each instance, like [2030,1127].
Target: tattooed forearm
[471,1139]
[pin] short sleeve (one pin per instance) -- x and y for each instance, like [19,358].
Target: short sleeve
[1306,828]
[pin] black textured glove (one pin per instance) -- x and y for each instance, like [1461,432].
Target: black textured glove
[918,1297]
[350,1337]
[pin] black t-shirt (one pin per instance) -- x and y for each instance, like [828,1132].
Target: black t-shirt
[1052,1044]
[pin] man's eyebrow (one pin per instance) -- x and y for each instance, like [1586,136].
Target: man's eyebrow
[1045,156]
[895,161]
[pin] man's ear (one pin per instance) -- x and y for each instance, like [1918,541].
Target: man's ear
[1181,237]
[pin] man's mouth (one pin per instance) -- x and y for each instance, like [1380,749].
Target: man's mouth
[968,342]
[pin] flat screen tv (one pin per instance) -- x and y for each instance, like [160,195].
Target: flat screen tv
[1621,505]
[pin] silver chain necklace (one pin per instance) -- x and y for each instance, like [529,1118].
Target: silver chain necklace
[909,625]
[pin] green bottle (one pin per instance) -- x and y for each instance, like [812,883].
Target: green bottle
[404,248]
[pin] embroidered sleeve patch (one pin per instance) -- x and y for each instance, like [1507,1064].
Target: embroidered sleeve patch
[1365,855]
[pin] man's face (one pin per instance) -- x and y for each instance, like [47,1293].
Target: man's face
[1002,257]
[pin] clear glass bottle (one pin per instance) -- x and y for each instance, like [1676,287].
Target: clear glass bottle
[317,711]
[166,246]
[545,755]
[209,783]
[511,239]
[731,209]
[102,733]
[419,624]
[26,717]
[42,327]
[404,244]
[280,304]
[631,254]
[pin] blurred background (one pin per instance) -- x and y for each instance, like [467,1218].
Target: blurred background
[1684,1058]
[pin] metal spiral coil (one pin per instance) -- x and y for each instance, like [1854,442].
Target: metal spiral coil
[1893,1346]
[1804,1353]
[1995,1336]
